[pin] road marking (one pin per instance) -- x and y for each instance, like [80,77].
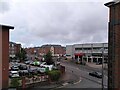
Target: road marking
[78,81]
[99,81]
[65,84]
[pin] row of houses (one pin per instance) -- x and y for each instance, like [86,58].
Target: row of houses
[39,52]
[90,52]
[56,50]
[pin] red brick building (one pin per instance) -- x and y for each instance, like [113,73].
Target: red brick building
[57,50]
[14,49]
[4,56]
[30,50]
[114,45]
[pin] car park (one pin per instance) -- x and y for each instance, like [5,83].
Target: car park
[96,74]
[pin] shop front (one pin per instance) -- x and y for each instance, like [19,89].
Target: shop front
[79,57]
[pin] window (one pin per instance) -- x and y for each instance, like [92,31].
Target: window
[68,55]
[78,48]
[87,48]
[12,45]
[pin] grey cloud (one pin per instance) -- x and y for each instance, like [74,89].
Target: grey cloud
[4,6]
[60,22]
[74,24]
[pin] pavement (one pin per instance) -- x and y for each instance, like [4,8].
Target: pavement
[93,65]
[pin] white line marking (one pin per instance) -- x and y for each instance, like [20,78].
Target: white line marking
[65,84]
[78,81]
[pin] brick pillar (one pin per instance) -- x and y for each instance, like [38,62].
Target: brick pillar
[114,45]
[4,55]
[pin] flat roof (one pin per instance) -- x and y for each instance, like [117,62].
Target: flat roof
[7,26]
[114,2]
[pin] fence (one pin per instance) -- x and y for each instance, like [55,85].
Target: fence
[31,81]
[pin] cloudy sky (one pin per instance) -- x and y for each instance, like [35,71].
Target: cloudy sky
[64,22]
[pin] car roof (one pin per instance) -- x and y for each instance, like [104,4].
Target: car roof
[14,71]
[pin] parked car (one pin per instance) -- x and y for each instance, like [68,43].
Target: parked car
[36,63]
[14,74]
[55,68]
[14,68]
[23,72]
[41,69]
[18,61]
[31,63]
[27,62]
[23,67]
[96,74]
[44,64]
[16,64]
[33,70]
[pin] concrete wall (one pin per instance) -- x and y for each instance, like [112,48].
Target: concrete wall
[69,51]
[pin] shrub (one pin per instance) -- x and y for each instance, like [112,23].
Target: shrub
[54,75]
[15,82]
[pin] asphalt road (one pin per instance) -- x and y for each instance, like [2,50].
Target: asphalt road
[86,81]
[81,73]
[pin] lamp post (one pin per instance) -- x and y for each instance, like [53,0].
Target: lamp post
[102,49]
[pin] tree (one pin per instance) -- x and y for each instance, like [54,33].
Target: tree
[21,55]
[48,58]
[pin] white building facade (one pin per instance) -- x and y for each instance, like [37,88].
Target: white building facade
[90,52]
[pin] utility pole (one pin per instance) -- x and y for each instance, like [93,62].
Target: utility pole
[102,49]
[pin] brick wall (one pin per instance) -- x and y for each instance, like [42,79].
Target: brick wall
[114,47]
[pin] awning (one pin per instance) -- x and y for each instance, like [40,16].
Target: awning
[79,54]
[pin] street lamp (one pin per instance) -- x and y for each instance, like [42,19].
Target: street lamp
[102,49]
